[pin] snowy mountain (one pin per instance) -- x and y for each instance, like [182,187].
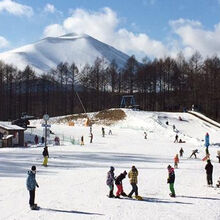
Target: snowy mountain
[49,52]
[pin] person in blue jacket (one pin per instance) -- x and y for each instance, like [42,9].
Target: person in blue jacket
[31,184]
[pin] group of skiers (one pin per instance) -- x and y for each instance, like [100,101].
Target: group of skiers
[111,179]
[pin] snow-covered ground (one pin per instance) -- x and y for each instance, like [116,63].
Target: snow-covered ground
[73,185]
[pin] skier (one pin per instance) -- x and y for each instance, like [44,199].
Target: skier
[145,135]
[103,132]
[218,156]
[42,139]
[174,128]
[194,152]
[91,137]
[207,140]
[90,129]
[118,183]
[171,180]
[176,138]
[181,152]
[167,123]
[132,175]
[36,139]
[110,181]
[176,161]
[46,156]
[31,184]
[110,132]
[209,169]
[82,141]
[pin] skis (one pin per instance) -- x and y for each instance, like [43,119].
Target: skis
[127,197]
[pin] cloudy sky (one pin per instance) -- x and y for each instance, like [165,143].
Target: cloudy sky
[152,28]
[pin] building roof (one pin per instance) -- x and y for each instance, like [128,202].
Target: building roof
[10,127]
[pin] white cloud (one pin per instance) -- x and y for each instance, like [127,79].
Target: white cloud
[49,8]
[3,42]
[15,8]
[194,37]
[103,25]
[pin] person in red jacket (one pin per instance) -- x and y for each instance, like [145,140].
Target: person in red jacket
[176,161]
[118,183]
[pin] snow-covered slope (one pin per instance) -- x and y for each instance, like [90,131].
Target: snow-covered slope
[73,185]
[49,52]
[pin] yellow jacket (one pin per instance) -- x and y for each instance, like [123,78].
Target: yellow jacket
[132,175]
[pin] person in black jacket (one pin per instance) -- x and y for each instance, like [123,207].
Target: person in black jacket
[46,156]
[118,183]
[209,170]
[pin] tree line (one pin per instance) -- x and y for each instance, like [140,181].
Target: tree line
[165,84]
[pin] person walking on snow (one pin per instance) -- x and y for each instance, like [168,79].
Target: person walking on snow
[181,152]
[82,141]
[176,161]
[31,184]
[110,181]
[209,170]
[176,138]
[118,183]
[36,139]
[103,132]
[171,180]
[145,135]
[46,156]
[132,175]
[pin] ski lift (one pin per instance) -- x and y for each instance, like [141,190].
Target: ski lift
[128,101]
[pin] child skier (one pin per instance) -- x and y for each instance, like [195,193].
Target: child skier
[170,180]
[209,169]
[46,156]
[110,181]
[118,183]
[176,161]
[31,184]
[181,152]
[132,175]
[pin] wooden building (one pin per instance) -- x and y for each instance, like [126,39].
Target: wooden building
[11,135]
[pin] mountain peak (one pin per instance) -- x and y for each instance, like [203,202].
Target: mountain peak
[47,53]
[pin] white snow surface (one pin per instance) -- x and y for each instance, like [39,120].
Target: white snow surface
[47,53]
[73,186]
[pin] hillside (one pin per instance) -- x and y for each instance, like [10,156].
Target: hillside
[73,185]
[49,52]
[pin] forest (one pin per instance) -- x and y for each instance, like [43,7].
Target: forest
[165,84]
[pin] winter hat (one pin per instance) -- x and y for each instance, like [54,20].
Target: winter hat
[112,168]
[133,168]
[168,167]
[33,168]
[125,172]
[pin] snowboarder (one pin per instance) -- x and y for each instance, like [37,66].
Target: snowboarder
[110,132]
[103,132]
[181,152]
[132,175]
[145,135]
[46,156]
[91,137]
[181,141]
[194,152]
[209,170]
[82,141]
[176,138]
[31,184]
[110,181]
[118,183]
[176,161]
[36,139]
[171,180]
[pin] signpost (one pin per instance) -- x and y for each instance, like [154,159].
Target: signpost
[46,118]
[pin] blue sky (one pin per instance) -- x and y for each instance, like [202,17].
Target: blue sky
[153,28]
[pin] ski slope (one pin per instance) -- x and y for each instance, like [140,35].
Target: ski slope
[73,185]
